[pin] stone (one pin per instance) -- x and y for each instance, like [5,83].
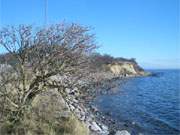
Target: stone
[95,127]
[89,118]
[67,90]
[83,113]
[104,127]
[94,109]
[71,107]
[82,118]
[75,88]
[75,101]
[122,132]
[78,113]
[50,105]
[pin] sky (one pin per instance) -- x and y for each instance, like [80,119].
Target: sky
[143,29]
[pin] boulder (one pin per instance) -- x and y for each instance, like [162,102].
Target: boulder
[50,105]
[51,115]
[95,127]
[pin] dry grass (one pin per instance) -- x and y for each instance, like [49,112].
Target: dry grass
[30,126]
[47,116]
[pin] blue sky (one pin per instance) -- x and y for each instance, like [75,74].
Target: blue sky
[143,29]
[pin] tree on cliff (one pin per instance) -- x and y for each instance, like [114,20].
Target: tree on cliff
[40,53]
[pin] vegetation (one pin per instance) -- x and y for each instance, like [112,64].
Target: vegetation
[35,55]
[99,62]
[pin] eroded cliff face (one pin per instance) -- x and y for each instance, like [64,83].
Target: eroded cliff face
[124,68]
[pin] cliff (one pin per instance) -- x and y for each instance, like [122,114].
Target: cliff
[63,111]
[117,66]
[125,68]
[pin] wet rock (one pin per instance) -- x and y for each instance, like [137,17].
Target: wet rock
[95,127]
[122,132]
[104,127]
[94,109]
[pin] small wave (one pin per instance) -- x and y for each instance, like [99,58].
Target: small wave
[152,103]
[158,124]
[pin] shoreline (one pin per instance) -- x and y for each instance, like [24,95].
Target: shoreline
[103,88]
[80,98]
[105,114]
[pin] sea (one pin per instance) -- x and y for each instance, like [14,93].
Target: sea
[148,105]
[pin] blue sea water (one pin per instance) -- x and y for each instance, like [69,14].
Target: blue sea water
[151,103]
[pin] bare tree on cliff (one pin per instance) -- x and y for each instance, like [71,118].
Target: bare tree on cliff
[39,54]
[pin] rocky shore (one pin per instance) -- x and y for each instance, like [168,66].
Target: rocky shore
[84,114]
[80,101]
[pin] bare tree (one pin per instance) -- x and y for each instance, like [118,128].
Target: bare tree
[41,53]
